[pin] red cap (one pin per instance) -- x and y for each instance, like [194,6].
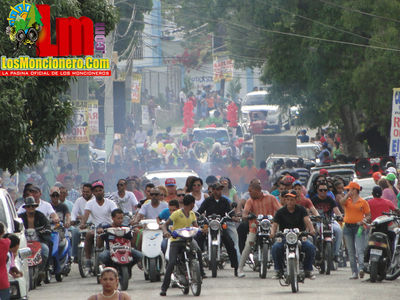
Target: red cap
[98,183]
[288,180]
[170,181]
[376,176]
[323,172]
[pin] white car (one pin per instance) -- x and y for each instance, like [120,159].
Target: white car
[218,134]
[179,175]
[308,150]
[8,215]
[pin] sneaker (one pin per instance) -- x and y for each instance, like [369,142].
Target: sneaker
[278,274]
[354,276]
[163,293]
[240,273]
[361,274]
[309,275]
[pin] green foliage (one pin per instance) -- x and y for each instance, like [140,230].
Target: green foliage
[349,86]
[34,111]
[189,86]
[234,88]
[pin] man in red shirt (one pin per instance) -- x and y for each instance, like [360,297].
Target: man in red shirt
[4,248]
[258,204]
[379,205]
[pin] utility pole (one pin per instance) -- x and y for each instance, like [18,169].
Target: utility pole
[108,97]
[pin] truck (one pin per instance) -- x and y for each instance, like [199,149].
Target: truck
[266,144]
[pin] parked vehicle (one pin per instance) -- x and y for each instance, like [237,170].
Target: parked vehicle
[179,175]
[292,275]
[35,259]
[8,215]
[187,267]
[262,258]
[60,259]
[120,253]
[345,171]
[218,134]
[153,257]
[308,150]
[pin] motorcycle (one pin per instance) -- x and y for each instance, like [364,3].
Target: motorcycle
[153,257]
[261,258]
[324,243]
[378,248]
[35,259]
[292,275]
[215,226]
[187,268]
[393,270]
[120,253]
[60,260]
[84,271]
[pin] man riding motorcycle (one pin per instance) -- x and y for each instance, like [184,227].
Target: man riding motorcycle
[258,204]
[181,218]
[117,216]
[292,216]
[219,205]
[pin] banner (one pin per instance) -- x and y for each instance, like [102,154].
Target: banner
[93,114]
[394,147]
[222,69]
[136,88]
[78,129]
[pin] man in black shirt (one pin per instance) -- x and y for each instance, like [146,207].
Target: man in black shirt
[219,205]
[292,216]
[327,206]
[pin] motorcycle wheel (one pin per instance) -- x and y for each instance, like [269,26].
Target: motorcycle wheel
[124,280]
[47,277]
[32,279]
[195,285]
[96,264]
[374,271]
[59,277]
[328,258]
[213,262]
[153,274]
[393,271]
[293,276]
[83,270]
[264,261]
[185,290]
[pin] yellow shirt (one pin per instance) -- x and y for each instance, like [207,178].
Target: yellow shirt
[355,212]
[181,221]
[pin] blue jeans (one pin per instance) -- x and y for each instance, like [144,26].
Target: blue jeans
[232,232]
[104,257]
[45,255]
[338,233]
[75,239]
[278,254]
[5,294]
[355,246]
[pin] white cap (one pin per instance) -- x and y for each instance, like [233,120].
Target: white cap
[391,170]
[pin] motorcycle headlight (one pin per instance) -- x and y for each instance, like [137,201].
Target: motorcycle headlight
[214,225]
[291,238]
[153,226]
[265,224]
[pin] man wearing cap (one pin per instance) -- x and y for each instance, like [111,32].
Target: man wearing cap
[325,205]
[376,176]
[34,219]
[219,205]
[152,209]
[170,184]
[258,204]
[43,206]
[99,209]
[124,199]
[292,216]
[391,192]
[60,208]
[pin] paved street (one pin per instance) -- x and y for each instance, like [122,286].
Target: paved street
[335,286]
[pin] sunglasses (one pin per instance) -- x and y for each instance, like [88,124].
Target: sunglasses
[322,190]
[33,191]
[181,195]
[29,206]
[154,194]
[55,195]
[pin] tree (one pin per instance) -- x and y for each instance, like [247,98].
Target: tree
[338,60]
[34,111]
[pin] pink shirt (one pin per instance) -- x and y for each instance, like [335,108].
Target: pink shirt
[389,195]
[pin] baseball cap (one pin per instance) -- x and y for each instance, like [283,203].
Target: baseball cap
[297,182]
[352,185]
[35,188]
[391,170]
[376,176]
[217,186]
[54,189]
[98,183]
[288,180]
[323,172]
[291,193]
[390,177]
[170,182]
[377,191]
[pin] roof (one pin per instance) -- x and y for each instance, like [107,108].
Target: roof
[266,107]
[210,129]
[263,92]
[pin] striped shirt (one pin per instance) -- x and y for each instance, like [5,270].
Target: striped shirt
[267,205]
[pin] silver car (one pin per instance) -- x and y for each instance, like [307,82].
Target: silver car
[8,215]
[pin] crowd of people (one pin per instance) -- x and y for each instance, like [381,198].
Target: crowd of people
[287,200]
